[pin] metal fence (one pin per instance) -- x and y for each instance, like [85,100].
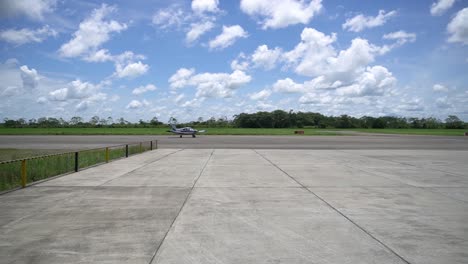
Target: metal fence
[21,172]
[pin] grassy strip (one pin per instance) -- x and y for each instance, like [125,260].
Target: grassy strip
[46,167]
[412,131]
[222,131]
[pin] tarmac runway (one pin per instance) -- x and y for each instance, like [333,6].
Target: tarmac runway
[243,142]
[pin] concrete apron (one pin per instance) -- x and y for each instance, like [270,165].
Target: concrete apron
[246,206]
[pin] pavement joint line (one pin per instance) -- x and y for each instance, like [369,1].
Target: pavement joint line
[338,211]
[181,208]
[144,165]
[403,163]
[412,185]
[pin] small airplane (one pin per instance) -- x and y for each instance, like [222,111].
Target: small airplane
[184,131]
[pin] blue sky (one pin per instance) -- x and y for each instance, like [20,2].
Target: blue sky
[209,58]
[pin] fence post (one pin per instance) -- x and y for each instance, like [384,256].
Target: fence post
[23,173]
[126,151]
[77,167]
[151,145]
[107,154]
[156,142]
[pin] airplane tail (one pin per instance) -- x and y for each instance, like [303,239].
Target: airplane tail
[173,127]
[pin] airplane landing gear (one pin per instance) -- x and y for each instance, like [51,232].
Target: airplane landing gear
[193,135]
[181,136]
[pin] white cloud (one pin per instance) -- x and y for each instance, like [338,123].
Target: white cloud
[441,6]
[443,102]
[375,81]
[181,78]
[281,13]
[410,105]
[131,70]
[265,57]
[101,55]
[41,100]
[135,104]
[78,90]
[240,63]
[197,30]
[288,86]
[29,76]
[401,37]
[210,84]
[361,22]
[144,89]
[92,33]
[179,98]
[315,56]
[261,95]
[33,9]
[310,55]
[10,91]
[229,35]
[439,88]
[201,6]
[172,16]
[458,27]
[26,35]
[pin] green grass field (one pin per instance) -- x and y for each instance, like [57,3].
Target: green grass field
[222,131]
[48,166]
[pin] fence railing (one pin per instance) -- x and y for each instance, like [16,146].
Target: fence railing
[21,172]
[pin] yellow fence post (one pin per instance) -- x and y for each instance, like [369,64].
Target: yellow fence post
[23,173]
[107,154]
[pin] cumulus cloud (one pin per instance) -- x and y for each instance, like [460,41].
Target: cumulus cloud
[458,27]
[439,88]
[229,35]
[374,81]
[179,98]
[26,35]
[288,86]
[29,76]
[92,33]
[265,57]
[101,55]
[261,95]
[181,78]
[197,30]
[135,104]
[315,55]
[361,22]
[74,90]
[131,70]
[172,16]
[143,89]
[441,6]
[401,37]
[33,9]
[240,63]
[219,85]
[201,6]
[281,13]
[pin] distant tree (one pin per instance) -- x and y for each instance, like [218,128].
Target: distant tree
[155,122]
[453,122]
[172,121]
[94,120]
[76,120]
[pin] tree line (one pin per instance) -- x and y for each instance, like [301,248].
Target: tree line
[274,119]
